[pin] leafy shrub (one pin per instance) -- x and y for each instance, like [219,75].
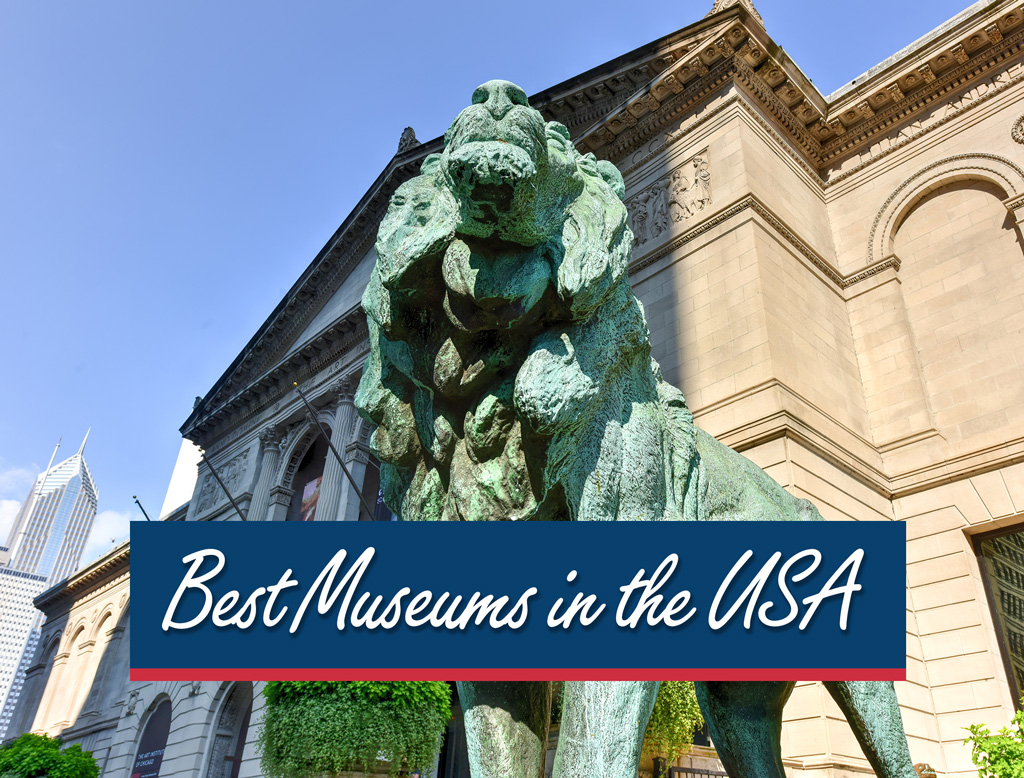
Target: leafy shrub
[36,756]
[1000,755]
[674,719]
[321,727]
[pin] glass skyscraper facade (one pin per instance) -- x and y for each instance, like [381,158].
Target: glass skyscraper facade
[45,546]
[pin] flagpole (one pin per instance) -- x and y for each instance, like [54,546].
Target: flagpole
[135,497]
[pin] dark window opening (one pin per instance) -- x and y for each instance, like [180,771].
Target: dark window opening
[1001,559]
[372,495]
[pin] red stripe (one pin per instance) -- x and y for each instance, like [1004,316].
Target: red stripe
[516,674]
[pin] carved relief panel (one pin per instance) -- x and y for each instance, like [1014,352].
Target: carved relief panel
[674,198]
[232,474]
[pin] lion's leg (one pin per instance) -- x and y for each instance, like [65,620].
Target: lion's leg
[745,723]
[874,714]
[603,725]
[506,727]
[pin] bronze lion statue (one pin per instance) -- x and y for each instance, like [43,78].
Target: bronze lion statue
[510,377]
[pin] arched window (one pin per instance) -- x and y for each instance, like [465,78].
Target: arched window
[231,732]
[150,754]
[306,482]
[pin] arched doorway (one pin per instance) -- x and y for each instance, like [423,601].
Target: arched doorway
[150,754]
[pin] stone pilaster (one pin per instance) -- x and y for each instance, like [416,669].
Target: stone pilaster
[334,482]
[271,440]
[357,459]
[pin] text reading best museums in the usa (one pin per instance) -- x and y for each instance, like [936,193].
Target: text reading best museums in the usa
[647,598]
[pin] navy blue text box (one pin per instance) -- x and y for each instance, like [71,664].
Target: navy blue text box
[691,641]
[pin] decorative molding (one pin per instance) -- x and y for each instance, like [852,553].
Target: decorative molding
[750,202]
[1015,205]
[296,451]
[895,92]
[281,495]
[1017,130]
[892,261]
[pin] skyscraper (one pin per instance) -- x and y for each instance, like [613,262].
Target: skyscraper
[44,547]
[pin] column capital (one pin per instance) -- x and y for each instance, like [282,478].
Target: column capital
[344,389]
[272,437]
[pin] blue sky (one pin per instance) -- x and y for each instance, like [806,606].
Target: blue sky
[169,169]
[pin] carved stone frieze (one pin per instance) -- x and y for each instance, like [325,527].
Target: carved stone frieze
[231,474]
[677,197]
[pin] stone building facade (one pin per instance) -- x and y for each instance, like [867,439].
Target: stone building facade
[835,282]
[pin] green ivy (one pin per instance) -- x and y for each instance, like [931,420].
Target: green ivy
[322,727]
[36,756]
[1000,755]
[674,720]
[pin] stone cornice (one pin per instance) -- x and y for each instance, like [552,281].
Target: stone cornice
[321,278]
[947,90]
[590,97]
[114,562]
[733,50]
[330,346]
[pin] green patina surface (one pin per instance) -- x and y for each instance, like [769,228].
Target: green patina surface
[510,377]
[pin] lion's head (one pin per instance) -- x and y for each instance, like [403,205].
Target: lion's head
[510,374]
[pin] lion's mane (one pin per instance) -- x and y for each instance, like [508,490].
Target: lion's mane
[510,373]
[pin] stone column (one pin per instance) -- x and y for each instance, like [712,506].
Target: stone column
[268,468]
[334,480]
[356,460]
